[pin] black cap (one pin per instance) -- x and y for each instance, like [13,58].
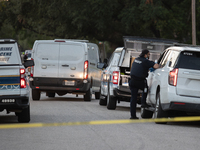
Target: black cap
[144,51]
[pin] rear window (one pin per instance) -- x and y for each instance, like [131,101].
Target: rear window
[189,60]
[9,54]
[115,60]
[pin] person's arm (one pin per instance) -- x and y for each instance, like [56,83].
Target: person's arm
[156,66]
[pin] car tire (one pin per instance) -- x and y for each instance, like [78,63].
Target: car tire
[35,95]
[146,113]
[24,116]
[112,102]
[159,112]
[88,95]
[97,95]
[103,100]
[51,94]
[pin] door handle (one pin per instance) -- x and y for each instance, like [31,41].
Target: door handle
[92,64]
[65,65]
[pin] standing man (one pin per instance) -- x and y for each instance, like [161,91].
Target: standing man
[139,73]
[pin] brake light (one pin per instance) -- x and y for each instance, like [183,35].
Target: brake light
[32,69]
[85,75]
[173,77]
[115,77]
[22,78]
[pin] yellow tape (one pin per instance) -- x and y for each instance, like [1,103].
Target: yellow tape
[100,122]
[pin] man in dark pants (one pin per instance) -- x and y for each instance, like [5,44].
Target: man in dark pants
[139,72]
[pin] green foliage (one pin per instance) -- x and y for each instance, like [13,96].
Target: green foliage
[98,20]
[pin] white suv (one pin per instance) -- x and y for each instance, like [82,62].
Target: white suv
[174,87]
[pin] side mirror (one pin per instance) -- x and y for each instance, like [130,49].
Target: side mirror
[28,63]
[100,65]
[105,60]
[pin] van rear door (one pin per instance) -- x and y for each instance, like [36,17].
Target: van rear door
[46,58]
[71,60]
[189,74]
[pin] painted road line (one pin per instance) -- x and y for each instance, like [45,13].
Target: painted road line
[97,122]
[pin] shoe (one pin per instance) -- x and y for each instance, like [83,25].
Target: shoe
[134,118]
[145,105]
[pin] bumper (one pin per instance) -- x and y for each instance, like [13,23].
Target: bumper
[125,96]
[182,106]
[57,86]
[20,102]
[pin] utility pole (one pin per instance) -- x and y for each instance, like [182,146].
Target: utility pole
[193,23]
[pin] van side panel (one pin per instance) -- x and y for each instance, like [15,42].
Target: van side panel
[94,72]
[46,57]
[71,60]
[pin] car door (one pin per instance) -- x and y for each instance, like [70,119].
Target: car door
[158,77]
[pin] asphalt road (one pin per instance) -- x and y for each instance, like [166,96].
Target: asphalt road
[69,108]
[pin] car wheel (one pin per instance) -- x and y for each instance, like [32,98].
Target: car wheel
[111,101]
[51,94]
[88,95]
[146,113]
[103,100]
[159,112]
[35,95]
[97,94]
[24,116]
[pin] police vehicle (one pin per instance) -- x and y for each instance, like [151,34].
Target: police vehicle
[14,87]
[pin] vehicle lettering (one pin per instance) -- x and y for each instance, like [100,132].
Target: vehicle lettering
[4,59]
[190,54]
[5,53]
[9,87]
[5,48]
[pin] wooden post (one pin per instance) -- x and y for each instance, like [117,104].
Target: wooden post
[193,23]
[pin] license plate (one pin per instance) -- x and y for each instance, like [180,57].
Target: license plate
[71,83]
[125,84]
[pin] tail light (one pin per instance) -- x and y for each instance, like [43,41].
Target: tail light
[115,77]
[173,77]
[32,69]
[22,78]
[85,75]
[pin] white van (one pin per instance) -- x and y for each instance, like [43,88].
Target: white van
[65,66]
[14,88]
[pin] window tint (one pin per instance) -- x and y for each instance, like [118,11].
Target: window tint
[174,56]
[165,59]
[189,60]
[161,57]
[115,59]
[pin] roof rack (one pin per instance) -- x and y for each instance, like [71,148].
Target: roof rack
[76,40]
[181,44]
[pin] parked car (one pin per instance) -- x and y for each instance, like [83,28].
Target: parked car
[174,87]
[14,89]
[116,76]
[65,66]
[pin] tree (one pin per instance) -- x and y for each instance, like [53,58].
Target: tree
[103,20]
